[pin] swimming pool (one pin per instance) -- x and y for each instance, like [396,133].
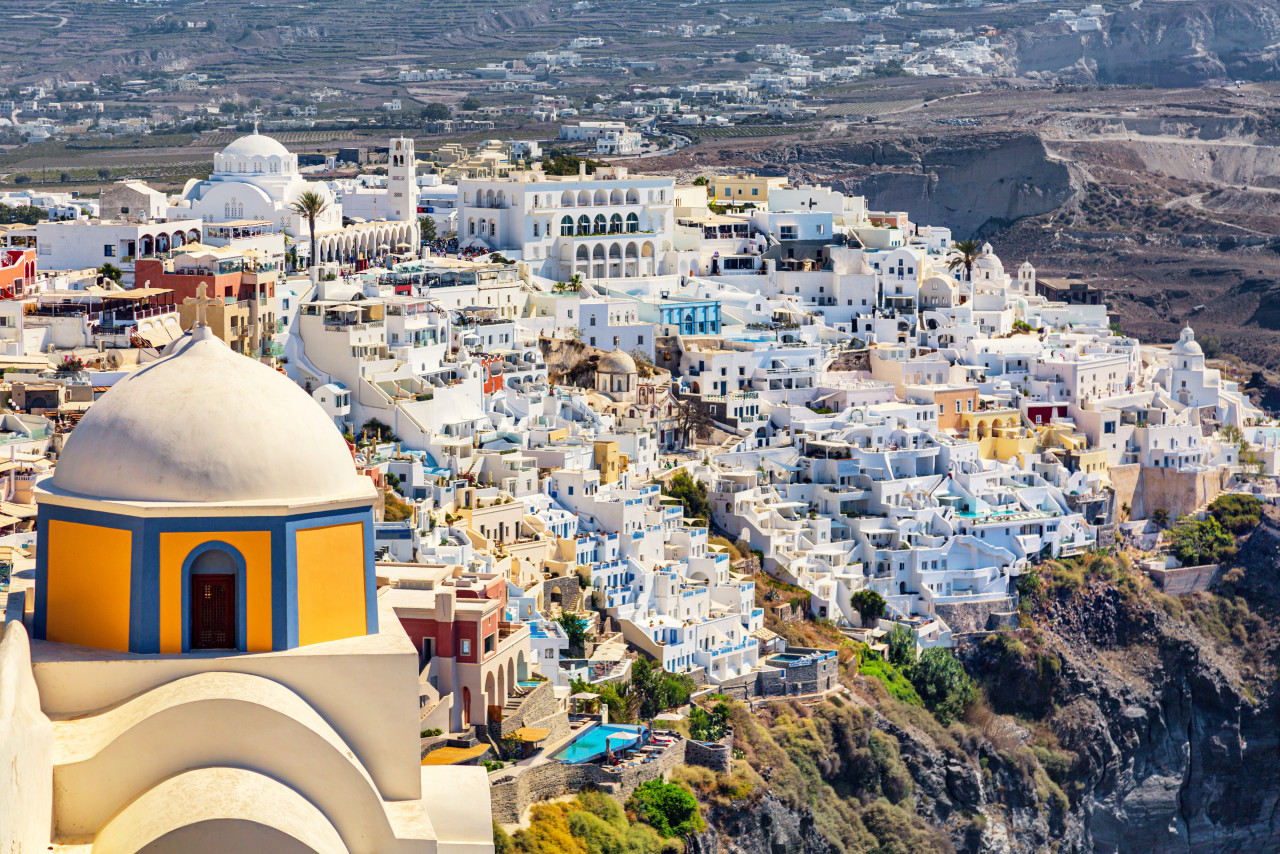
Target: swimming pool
[590,744]
[786,656]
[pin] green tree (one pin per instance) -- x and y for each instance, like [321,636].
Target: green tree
[942,683]
[966,254]
[902,646]
[658,689]
[1237,513]
[709,726]
[669,808]
[869,604]
[742,56]
[470,104]
[112,272]
[309,205]
[591,100]
[104,174]
[700,181]
[1160,516]
[575,628]
[436,112]
[428,227]
[1198,543]
[692,494]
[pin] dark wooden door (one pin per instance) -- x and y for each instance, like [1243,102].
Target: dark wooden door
[213,612]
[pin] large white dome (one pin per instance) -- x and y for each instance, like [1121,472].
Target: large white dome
[206,424]
[255,145]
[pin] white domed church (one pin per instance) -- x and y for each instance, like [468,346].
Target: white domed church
[255,178]
[203,663]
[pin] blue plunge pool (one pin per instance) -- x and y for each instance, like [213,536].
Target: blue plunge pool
[590,744]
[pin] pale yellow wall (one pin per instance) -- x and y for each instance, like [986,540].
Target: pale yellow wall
[331,590]
[89,572]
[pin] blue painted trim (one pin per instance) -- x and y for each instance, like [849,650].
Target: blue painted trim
[281,585]
[144,616]
[40,619]
[242,595]
[144,593]
[291,583]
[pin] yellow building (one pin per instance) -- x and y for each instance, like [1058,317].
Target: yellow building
[210,666]
[742,189]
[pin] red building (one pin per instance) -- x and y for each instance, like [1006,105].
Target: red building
[17,271]
[230,278]
[466,650]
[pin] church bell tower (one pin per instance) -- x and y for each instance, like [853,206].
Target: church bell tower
[402,181]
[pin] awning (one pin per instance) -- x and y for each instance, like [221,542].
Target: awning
[455,755]
[20,511]
[531,735]
[32,362]
[9,521]
[156,337]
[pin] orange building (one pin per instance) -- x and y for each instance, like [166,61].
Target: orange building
[951,400]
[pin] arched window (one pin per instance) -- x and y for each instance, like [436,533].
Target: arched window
[600,226]
[471,226]
[566,227]
[584,225]
[535,228]
[615,224]
[633,223]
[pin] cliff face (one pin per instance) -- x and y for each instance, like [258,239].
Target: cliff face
[1165,44]
[1150,725]
[971,181]
[1171,755]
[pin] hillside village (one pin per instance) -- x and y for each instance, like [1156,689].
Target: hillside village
[596,428]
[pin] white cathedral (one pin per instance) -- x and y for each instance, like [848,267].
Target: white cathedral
[256,180]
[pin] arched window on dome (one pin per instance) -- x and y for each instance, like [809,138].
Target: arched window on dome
[257,166]
[226,210]
[242,166]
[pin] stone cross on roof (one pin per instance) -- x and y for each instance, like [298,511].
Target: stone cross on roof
[201,302]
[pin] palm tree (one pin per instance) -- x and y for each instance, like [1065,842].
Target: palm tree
[310,205]
[968,251]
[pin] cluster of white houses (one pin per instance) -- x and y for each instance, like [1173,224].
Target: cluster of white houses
[866,408]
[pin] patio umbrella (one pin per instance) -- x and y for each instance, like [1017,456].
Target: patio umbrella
[404,245]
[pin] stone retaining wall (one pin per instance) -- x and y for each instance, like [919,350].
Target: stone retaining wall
[716,755]
[1182,580]
[541,703]
[511,796]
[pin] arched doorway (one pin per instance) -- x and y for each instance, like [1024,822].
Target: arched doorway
[466,708]
[213,623]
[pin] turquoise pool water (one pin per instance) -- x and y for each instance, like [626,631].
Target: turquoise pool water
[528,683]
[590,744]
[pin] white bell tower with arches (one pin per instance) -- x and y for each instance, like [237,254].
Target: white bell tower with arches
[402,180]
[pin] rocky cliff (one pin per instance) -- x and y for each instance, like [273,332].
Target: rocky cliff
[1116,720]
[1165,44]
[971,181]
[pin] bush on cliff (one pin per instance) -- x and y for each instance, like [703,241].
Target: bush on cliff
[591,823]
[669,808]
